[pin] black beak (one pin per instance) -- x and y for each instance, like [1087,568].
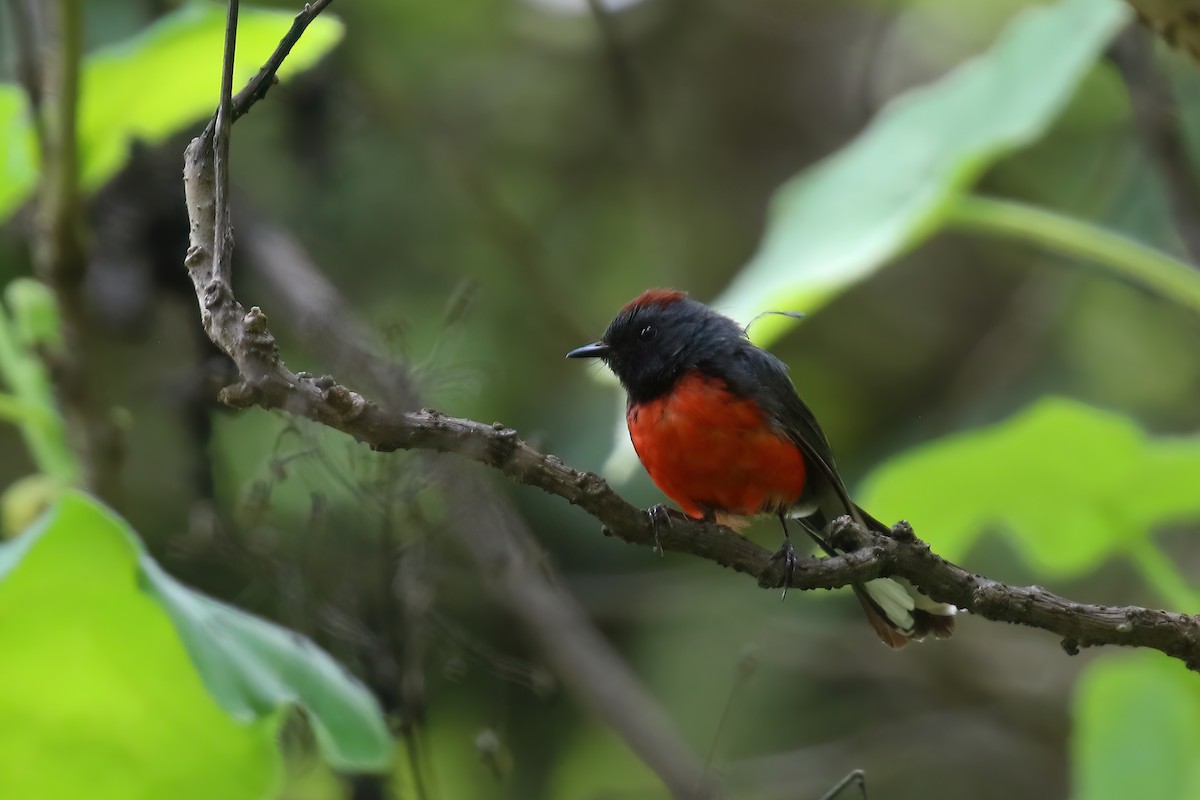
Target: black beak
[594,350]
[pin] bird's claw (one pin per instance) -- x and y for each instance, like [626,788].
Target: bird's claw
[660,517]
[786,554]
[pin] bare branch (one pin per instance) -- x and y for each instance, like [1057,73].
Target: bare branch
[267,382]
[223,245]
[585,662]
[261,83]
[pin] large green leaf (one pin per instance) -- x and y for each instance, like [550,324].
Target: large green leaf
[18,150]
[145,688]
[1137,730]
[834,224]
[151,86]
[1069,483]
[253,668]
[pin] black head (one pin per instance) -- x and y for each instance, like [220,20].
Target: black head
[659,336]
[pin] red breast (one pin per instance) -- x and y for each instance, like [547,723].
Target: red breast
[711,450]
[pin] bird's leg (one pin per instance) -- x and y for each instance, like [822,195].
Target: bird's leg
[787,554]
[855,778]
[660,517]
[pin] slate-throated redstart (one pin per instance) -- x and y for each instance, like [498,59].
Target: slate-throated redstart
[720,428]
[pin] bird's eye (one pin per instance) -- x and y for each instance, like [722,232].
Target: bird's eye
[647,333]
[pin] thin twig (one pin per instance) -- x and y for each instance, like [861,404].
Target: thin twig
[223,244]
[261,83]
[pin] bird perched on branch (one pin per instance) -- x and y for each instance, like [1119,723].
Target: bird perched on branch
[720,428]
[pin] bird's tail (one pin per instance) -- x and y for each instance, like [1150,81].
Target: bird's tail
[896,609]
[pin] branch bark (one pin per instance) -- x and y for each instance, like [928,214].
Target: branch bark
[268,383]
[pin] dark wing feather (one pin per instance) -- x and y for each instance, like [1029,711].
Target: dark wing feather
[759,374]
[763,376]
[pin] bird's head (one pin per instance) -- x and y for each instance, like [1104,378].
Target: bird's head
[657,337]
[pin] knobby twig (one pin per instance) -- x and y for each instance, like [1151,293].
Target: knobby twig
[585,662]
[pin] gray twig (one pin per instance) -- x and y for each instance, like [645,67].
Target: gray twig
[221,269]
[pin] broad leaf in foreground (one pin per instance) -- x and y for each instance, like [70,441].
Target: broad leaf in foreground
[145,687]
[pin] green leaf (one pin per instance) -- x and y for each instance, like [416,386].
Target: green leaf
[95,677]
[18,150]
[167,76]
[1068,483]
[836,223]
[151,85]
[109,660]
[253,668]
[30,401]
[1137,730]
[34,310]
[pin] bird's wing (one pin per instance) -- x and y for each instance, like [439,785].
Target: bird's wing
[764,377]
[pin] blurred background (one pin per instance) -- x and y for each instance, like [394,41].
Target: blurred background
[456,195]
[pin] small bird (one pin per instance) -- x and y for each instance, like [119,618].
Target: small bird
[717,423]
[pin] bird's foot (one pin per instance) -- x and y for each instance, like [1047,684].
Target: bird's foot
[660,517]
[779,571]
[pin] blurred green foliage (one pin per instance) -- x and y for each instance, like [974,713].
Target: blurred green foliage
[1071,485]
[147,87]
[148,688]
[559,170]
[29,330]
[838,221]
[1137,730]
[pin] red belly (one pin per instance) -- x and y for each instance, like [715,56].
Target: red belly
[709,450]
